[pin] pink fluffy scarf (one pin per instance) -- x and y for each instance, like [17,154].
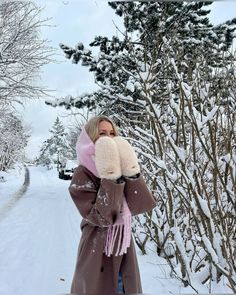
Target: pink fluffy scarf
[120,231]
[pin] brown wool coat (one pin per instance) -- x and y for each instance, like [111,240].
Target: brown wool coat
[99,202]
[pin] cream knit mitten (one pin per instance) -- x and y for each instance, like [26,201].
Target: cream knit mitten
[128,159]
[107,158]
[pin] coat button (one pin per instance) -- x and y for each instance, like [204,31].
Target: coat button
[93,202]
[102,269]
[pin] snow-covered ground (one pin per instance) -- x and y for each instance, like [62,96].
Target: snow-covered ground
[39,236]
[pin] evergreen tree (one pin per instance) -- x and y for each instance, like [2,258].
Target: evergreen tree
[72,139]
[165,31]
[45,158]
[55,149]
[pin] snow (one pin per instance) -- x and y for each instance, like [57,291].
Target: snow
[204,206]
[180,244]
[71,164]
[39,238]
[210,115]
[12,181]
[88,185]
[207,243]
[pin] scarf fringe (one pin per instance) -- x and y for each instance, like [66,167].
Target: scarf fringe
[123,231]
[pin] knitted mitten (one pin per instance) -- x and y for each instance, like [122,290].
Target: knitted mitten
[128,159]
[107,159]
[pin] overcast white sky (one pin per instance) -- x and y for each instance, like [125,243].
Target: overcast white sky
[74,21]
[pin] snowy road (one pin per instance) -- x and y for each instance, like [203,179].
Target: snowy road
[39,239]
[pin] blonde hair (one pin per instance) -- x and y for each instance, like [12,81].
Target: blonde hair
[92,126]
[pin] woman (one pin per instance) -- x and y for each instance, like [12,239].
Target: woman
[107,188]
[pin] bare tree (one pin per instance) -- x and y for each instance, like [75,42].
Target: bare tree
[22,51]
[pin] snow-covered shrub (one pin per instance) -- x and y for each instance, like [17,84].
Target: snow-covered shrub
[192,173]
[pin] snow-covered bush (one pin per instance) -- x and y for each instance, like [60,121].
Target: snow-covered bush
[192,173]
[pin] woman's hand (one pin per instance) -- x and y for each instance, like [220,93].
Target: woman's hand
[107,159]
[128,159]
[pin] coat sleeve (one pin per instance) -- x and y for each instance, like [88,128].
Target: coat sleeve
[99,206]
[138,196]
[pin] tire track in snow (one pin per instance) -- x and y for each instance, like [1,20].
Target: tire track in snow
[4,210]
